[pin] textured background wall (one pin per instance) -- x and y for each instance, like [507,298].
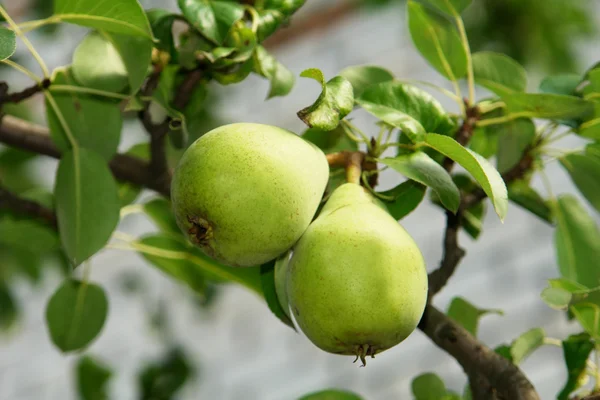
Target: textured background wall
[241,350]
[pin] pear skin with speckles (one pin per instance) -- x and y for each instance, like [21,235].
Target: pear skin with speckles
[244,193]
[357,282]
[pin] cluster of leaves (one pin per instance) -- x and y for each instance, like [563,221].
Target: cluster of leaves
[85,106]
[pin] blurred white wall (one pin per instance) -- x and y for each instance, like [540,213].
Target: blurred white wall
[243,352]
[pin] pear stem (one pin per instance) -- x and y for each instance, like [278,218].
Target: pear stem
[354,167]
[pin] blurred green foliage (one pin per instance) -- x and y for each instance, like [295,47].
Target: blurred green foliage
[540,34]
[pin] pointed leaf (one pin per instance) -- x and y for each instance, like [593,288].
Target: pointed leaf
[166,251]
[525,196]
[437,40]
[75,314]
[87,204]
[450,7]
[330,142]
[576,350]
[467,315]
[181,268]
[406,198]
[546,105]
[161,22]
[267,277]
[499,73]
[556,298]
[92,378]
[388,98]
[363,76]
[213,18]
[577,244]
[8,43]
[93,122]
[421,168]
[561,84]
[526,344]
[334,103]
[160,212]
[273,14]
[282,79]
[588,315]
[125,16]
[483,172]
[585,173]
[514,138]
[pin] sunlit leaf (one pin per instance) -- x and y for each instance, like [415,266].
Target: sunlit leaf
[437,40]
[8,43]
[334,103]
[282,79]
[498,72]
[363,76]
[125,16]
[213,19]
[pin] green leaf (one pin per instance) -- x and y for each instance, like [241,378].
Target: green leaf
[576,350]
[281,271]
[87,204]
[514,137]
[163,248]
[333,104]
[125,16]
[546,105]
[420,167]
[556,298]
[576,241]
[450,7]
[8,43]
[136,53]
[161,22]
[162,379]
[428,386]
[472,219]
[160,212]
[363,76]
[75,314]
[92,378]
[591,127]
[108,74]
[585,173]
[525,196]
[212,18]
[267,275]
[483,172]
[393,102]
[282,79]
[467,315]
[485,141]
[181,268]
[526,344]
[437,40]
[273,14]
[499,73]
[9,310]
[29,235]
[593,150]
[588,315]
[331,394]
[94,123]
[330,142]
[407,196]
[561,84]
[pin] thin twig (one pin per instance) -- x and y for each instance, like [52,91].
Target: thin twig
[17,97]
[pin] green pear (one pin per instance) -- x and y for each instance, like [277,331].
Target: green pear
[357,282]
[244,193]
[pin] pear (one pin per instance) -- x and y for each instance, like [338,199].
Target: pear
[357,282]
[244,193]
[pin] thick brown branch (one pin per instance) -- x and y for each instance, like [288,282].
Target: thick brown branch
[11,201]
[453,253]
[24,135]
[505,378]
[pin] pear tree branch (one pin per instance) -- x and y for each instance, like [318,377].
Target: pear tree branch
[10,201]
